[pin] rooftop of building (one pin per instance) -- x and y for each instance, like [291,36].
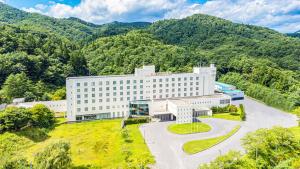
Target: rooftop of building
[144,71]
[224,84]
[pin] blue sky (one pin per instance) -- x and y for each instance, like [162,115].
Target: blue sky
[281,15]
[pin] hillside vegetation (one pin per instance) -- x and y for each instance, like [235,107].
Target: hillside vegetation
[57,48]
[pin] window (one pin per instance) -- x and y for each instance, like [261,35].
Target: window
[141,86]
[115,88]
[107,94]
[134,92]
[167,79]
[197,78]
[121,93]
[134,87]
[141,92]
[100,94]
[86,109]
[134,81]
[128,98]
[128,81]
[191,78]
[114,99]
[179,79]
[93,83]
[93,108]
[100,107]
[160,85]
[185,79]
[100,83]
[93,89]
[154,80]
[141,97]
[185,84]
[78,102]
[154,86]
[78,109]
[154,91]
[160,80]
[100,89]
[77,84]
[85,95]
[93,95]
[85,89]
[121,87]
[107,100]
[100,100]
[121,81]
[167,85]
[128,87]
[93,100]
[107,88]
[78,90]
[85,83]
[78,96]
[114,82]
[173,79]
[107,82]
[115,93]
[121,98]
[86,101]
[141,81]
[107,107]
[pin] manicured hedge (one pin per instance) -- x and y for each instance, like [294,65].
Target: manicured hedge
[136,120]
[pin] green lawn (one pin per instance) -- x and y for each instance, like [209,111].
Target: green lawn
[296,131]
[196,146]
[226,116]
[189,128]
[95,143]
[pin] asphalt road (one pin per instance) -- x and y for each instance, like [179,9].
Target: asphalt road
[167,147]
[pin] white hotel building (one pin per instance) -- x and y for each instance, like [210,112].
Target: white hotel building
[161,95]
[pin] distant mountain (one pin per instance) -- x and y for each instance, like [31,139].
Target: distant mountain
[295,34]
[72,28]
[212,34]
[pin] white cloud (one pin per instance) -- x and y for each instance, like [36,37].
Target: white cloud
[3,1]
[279,14]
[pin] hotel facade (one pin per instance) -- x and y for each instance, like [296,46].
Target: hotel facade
[141,93]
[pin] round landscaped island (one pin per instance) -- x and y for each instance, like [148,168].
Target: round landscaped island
[189,128]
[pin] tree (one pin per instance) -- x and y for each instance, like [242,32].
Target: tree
[54,156]
[232,160]
[59,94]
[41,116]
[243,113]
[13,118]
[15,86]
[270,147]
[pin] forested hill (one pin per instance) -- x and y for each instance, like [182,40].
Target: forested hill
[43,51]
[212,33]
[72,28]
[296,34]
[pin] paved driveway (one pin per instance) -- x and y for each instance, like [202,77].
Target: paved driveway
[167,147]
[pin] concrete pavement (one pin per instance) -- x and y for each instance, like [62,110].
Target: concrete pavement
[167,147]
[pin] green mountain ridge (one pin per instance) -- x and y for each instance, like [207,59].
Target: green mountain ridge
[259,57]
[72,28]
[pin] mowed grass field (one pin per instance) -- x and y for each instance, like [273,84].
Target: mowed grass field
[226,116]
[95,143]
[189,128]
[197,146]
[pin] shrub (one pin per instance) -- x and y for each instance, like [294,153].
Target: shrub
[136,120]
[41,116]
[243,114]
[54,156]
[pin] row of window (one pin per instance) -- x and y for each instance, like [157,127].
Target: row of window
[86,109]
[135,98]
[135,81]
[135,87]
[135,92]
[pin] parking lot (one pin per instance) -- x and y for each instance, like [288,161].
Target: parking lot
[167,147]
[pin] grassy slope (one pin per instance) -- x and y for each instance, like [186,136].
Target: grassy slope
[197,146]
[296,131]
[226,116]
[189,128]
[96,143]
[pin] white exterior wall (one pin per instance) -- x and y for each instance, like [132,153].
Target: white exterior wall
[56,106]
[111,94]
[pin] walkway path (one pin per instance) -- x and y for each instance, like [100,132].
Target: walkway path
[167,147]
